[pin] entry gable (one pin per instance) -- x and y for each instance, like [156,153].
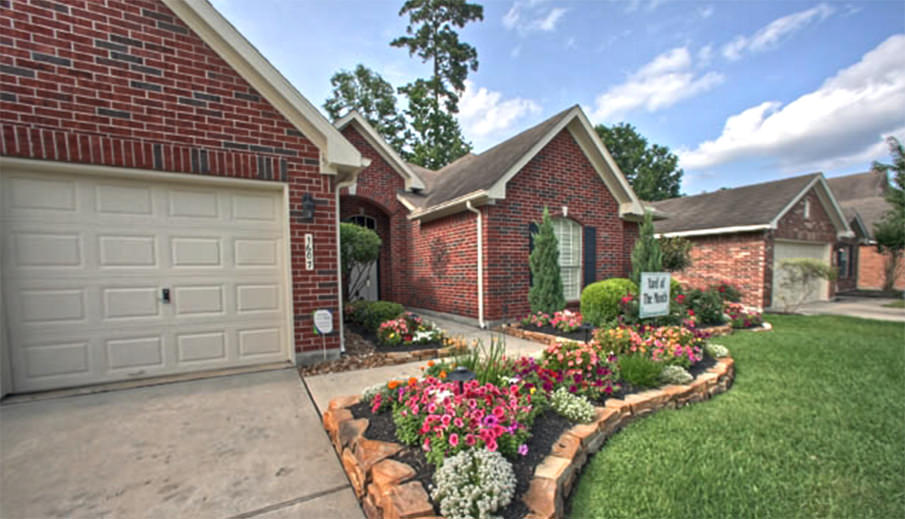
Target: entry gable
[827,200]
[338,156]
[376,141]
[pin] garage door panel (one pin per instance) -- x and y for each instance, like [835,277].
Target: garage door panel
[86,259]
[819,290]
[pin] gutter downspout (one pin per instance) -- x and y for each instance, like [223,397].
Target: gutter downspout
[480,263]
[339,270]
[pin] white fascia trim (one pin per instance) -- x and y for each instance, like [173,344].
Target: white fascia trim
[468,197]
[827,199]
[412,181]
[338,156]
[408,205]
[715,230]
[580,127]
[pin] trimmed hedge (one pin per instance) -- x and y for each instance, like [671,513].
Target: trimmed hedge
[371,314]
[600,300]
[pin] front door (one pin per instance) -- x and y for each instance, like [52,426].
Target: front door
[369,289]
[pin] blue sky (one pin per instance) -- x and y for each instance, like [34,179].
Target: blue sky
[742,91]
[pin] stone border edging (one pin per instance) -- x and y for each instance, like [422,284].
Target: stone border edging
[382,485]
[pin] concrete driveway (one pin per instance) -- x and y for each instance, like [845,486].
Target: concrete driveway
[247,446]
[865,307]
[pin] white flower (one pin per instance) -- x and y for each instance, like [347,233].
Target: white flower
[442,395]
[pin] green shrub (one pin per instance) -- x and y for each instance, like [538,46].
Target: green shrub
[707,305]
[675,375]
[574,407]
[640,371]
[675,288]
[545,294]
[355,310]
[600,301]
[374,314]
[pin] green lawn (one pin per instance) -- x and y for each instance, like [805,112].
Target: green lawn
[896,304]
[813,427]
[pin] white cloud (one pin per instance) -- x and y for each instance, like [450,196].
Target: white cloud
[706,12]
[571,43]
[839,123]
[769,36]
[663,82]
[484,114]
[527,16]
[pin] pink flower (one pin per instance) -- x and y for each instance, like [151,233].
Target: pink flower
[453,439]
[491,445]
[523,449]
[458,422]
[470,439]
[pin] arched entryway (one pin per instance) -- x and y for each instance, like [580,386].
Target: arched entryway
[362,211]
[368,281]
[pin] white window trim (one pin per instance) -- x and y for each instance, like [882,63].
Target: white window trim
[576,241]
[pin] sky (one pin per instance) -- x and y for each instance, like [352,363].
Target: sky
[742,91]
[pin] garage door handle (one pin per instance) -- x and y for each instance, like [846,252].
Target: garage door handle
[165,295]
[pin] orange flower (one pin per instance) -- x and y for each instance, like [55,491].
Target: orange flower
[442,374]
[430,363]
[413,381]
[393,384]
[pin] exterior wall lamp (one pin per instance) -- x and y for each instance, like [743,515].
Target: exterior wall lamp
[307,208]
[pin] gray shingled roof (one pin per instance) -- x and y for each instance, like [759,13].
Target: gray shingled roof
[757,204]
[472,172]
[858,185]
[862,194]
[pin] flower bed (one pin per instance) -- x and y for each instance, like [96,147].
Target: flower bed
[391,488]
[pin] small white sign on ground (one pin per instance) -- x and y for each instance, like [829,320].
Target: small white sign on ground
[323,322]
[654,299]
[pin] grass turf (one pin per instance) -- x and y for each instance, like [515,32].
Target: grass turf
[814,426]
[896,304]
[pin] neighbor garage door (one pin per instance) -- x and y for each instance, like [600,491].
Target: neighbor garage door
[818,291]
[86,261]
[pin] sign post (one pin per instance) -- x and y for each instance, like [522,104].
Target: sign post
[654,294]
[323,324]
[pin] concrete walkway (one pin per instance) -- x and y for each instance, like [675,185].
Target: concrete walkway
[865,307]
[248,446]
[326,387]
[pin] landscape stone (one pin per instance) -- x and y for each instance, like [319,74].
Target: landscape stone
[369,452]
[543,499]
[342,402]
[407,501]
[349,431]
[389,473]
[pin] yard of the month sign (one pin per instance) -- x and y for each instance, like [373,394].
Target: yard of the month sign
[654,294]
[309,252]
[323,322]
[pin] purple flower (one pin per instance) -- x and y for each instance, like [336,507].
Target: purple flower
[523,449]
[489,420]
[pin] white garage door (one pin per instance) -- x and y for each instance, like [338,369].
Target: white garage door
[86,261]
[819,291]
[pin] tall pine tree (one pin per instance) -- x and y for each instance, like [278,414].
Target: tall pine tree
[546,291]
[646,255]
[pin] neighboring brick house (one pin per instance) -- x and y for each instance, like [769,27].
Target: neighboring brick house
[459,238]
[740,235]
[862,198]
[162,184]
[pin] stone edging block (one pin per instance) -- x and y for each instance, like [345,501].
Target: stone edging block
[385,488]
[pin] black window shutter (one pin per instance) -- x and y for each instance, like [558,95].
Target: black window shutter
[589,264]
[532,230]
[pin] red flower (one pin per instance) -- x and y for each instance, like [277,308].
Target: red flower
[680,298]
[691,312]
[627,299]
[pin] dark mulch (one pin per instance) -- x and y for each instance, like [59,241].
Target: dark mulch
[547,428]
[361,354]
[578,335]
[699,367]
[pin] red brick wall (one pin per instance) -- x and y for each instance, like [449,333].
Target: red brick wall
[375,195]
[126,83]
[737,258]
[872,269]
[560,175]
[442,270]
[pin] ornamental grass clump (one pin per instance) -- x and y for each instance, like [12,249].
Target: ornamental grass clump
[473,484]
[716,350]
[575,408]
[675,375]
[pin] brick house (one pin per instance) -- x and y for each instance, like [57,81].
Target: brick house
[169,199]
[740,235]
[862,198]
[458,240]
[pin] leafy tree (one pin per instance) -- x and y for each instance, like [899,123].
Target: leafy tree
[374,98]
[359,248]
[546,290]
[890,231]
[438,138]
[646,255]
[651,169]
[431,36]
[676,253]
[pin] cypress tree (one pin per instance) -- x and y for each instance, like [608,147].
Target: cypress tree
[646,255]
[546,291]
